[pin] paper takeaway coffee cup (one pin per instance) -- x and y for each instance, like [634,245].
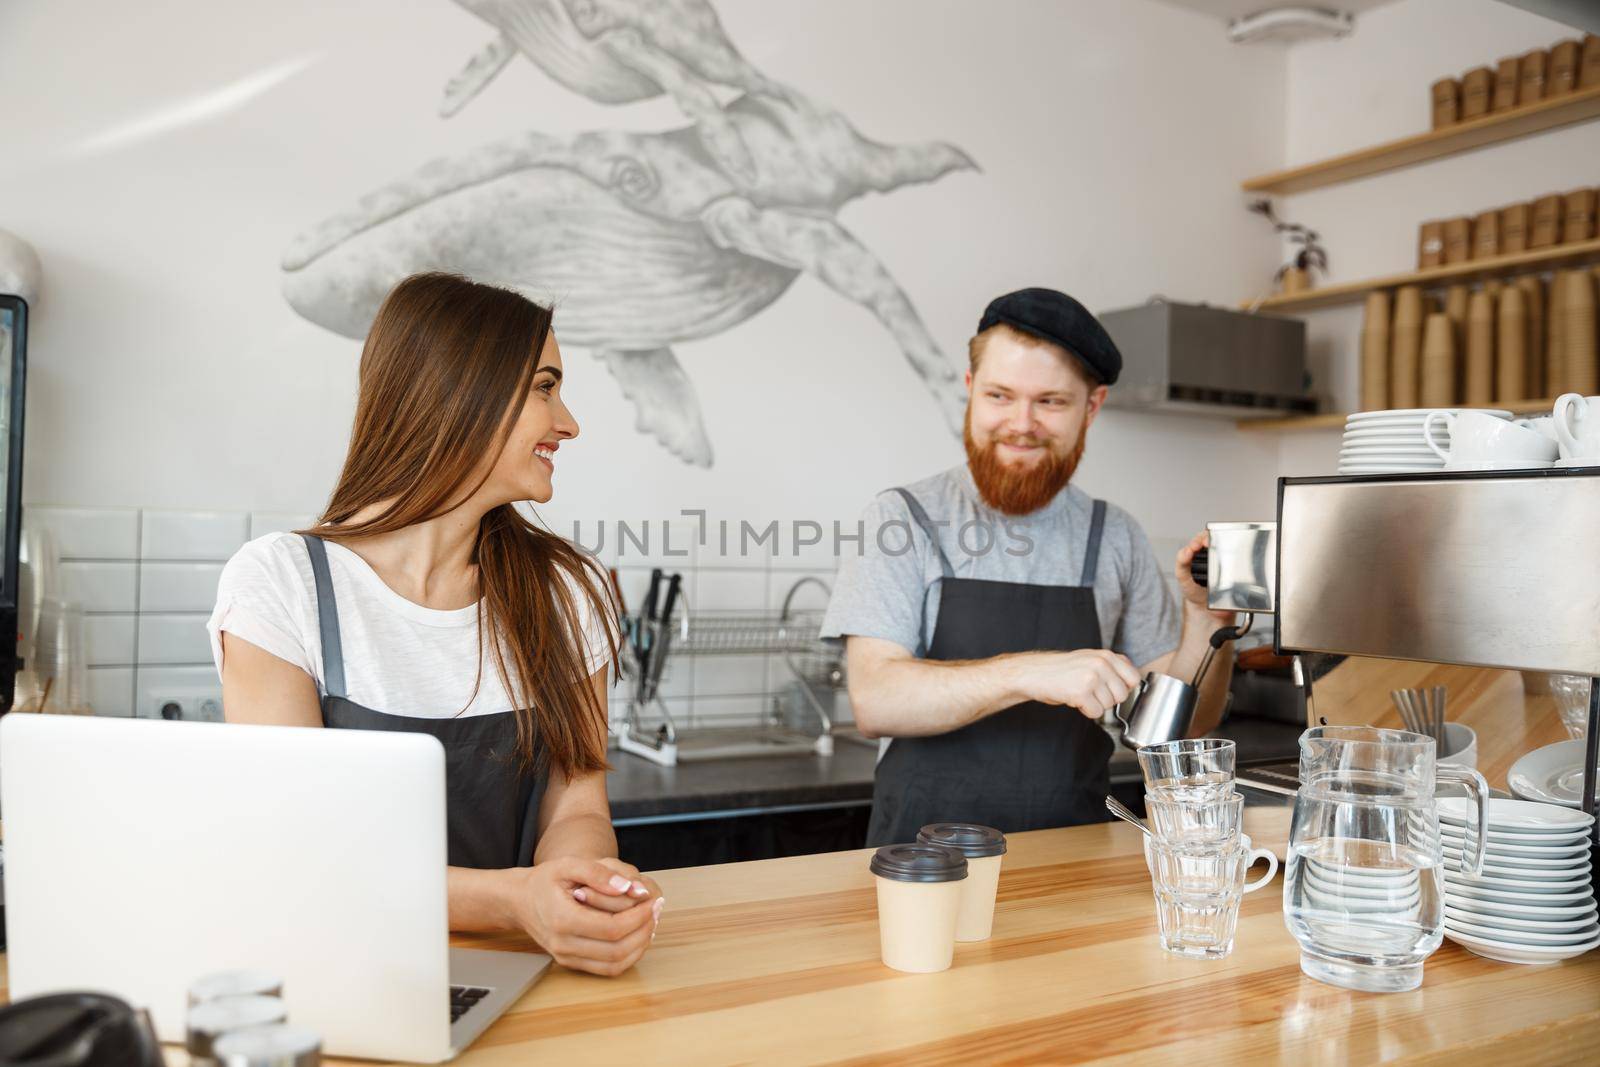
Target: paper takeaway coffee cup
[984,847]
[919,900]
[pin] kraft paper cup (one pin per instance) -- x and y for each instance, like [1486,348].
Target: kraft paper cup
[919,901]
[984,847]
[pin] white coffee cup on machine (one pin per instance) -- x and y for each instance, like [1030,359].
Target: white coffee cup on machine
[1577,425]
[1480,442]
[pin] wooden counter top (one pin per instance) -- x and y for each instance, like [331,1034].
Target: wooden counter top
[777,962]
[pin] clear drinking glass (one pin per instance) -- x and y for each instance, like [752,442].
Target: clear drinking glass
[1193,769]
[1572,698]
[1195,822]
[1197,891]
[1363,892]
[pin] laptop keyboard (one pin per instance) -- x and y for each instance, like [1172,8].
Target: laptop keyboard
[463,998]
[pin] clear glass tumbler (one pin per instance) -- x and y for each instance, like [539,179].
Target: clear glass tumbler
[1197,891]
[1215,821]
[1193,769]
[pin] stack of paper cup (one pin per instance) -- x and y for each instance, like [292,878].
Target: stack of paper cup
[984,847]
[919,902]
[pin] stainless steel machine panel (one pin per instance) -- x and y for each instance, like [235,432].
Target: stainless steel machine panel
[1491,571]
[1242,566]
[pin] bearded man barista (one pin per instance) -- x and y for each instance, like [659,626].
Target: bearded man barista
[987,640]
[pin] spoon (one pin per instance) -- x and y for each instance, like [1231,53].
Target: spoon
[1120,810]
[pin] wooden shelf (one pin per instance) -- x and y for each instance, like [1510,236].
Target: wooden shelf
[1335,420]
[1581,253]
[1495,128]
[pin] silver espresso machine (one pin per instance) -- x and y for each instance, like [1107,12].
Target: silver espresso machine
[1484,569]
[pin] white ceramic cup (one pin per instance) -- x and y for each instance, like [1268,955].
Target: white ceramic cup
[984,847]
[1484,442]
[1544,426]
[919,901]
[1577,425]
[1460,745]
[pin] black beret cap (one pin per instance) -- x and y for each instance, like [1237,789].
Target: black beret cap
[1061,320]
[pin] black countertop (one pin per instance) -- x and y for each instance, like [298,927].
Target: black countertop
[643,791]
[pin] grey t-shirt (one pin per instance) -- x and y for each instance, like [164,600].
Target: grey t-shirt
[890,589]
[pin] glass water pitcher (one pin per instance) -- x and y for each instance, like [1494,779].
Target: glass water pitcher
[1363,894]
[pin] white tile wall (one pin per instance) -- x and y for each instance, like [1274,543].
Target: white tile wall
[265,522]
[148,582]
[100,586]
[110,640]
[199,535]
[174,639]
[720,588]
[89,533]
[111,690]
[733,675]
[144,625]
[178,586]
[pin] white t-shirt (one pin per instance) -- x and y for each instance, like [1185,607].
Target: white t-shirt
[399,657]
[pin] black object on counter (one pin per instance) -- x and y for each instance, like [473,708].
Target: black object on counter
[76,1030]
[919,863]
[969,839]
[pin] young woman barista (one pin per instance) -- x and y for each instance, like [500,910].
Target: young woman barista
[422,600]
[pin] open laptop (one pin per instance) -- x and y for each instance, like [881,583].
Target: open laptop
[142,854]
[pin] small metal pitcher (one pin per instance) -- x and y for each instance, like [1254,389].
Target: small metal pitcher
[1162,708]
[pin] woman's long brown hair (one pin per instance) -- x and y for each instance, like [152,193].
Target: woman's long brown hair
[445,371]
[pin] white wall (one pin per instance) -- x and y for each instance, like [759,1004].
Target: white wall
[168,371]
[1373,87]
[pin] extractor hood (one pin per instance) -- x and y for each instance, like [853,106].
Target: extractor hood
[1203,360]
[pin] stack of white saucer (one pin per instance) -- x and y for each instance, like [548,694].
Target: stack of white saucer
[1391,442]
[1534,902]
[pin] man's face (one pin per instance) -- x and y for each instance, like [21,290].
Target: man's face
[1029,408]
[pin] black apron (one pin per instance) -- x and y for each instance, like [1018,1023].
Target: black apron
[491,801]
[1029,767]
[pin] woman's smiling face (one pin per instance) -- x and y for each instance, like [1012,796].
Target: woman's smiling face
[526,467]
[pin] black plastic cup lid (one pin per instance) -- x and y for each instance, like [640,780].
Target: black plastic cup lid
[969,839]
[919,863]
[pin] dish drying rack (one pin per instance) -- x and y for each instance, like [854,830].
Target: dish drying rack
[788,632]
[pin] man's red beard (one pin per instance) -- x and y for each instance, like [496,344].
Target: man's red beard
[1016,488]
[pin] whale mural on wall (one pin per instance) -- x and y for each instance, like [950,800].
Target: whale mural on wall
[645,240]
